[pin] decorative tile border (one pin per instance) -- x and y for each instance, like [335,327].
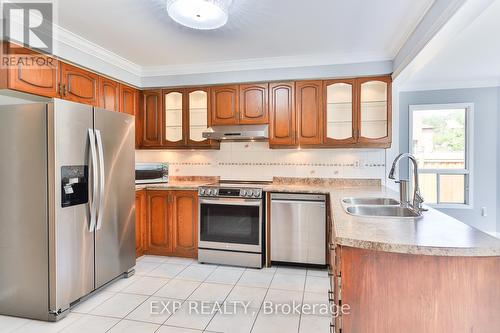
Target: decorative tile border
[191,163]
[326,181]
[354,165]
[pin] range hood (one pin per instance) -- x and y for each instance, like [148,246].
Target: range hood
[237,132]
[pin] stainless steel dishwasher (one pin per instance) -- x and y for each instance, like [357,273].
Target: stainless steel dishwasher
[298,228]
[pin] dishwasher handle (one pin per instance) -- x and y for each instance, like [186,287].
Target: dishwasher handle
[294,202]
[294,197]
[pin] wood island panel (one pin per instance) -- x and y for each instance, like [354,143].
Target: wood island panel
[394,292]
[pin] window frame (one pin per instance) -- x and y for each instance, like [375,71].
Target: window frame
[469,153]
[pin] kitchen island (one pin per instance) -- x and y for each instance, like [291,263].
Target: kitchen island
[430,274]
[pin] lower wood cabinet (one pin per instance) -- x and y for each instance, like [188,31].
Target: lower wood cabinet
[171,223]
[400,292]
[185,223]
[140,218]
[158,223]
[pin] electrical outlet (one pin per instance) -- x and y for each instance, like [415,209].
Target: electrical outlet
[484,212]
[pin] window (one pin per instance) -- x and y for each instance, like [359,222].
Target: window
[441,140]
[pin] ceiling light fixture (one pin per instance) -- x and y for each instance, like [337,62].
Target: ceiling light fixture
[199,14]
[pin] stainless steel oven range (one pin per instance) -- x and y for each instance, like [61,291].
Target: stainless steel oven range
[231,218]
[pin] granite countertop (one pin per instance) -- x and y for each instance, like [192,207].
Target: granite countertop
[174,185]
[433,234]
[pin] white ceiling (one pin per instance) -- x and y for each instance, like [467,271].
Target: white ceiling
[324,31]
[469,58]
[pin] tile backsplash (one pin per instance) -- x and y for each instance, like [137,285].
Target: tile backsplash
[255,161]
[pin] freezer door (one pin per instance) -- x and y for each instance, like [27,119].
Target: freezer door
[71,240]
[115,230]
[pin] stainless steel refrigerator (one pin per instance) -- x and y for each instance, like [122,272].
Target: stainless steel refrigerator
[67,219]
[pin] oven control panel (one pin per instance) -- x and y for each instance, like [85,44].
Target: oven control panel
[230,192]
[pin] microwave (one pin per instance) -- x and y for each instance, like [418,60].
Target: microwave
[151,173]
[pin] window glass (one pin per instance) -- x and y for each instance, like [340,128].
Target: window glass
[173,117]
[373,109]
[452,189]
[440,144]
[339,111]
[198,114]
[428,186]
[439,138]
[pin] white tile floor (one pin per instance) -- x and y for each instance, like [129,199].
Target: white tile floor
[125,306]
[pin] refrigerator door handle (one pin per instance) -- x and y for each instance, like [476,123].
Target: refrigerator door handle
[92,202]
[102,181]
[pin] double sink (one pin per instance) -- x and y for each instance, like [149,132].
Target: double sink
[378,207]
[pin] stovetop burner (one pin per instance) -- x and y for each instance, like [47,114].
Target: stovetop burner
[234,188]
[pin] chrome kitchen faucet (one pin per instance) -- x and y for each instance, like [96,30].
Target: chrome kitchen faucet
[418,200]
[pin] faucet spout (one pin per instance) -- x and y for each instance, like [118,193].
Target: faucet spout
[417,197]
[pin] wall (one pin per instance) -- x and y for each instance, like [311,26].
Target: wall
[498,163]
[255,161]
[486,151]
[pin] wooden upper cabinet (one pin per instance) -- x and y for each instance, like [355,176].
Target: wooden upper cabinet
[109,94]
[196,117]
[375,111]
[174,119]
[152,115]
[174,127]
[129,103]
[37,75]
[185,223]
[309,108]
[79,85]
[159,226]
[225,107]
[129,100]
[282,114]
[254,107]
[340,116]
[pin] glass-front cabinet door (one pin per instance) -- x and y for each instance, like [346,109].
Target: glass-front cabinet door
[340,117]
[173,118]
[374,110]
[197,116]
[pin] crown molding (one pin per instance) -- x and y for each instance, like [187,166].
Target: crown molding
[262,63]
[69,38]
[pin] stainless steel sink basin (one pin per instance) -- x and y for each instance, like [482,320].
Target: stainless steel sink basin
[382,211]
[371,201]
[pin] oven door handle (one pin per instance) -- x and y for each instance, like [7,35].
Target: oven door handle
[231,201]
